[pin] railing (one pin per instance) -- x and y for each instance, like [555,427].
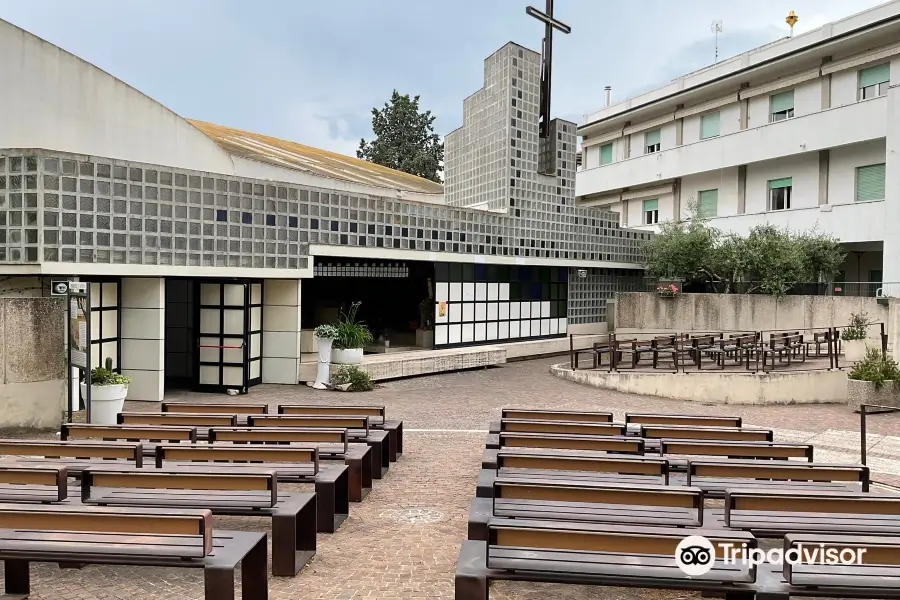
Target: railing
[869,409]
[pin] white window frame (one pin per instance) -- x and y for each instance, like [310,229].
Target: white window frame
[789,192]
[651,148]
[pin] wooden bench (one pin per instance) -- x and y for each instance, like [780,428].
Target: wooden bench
[653,433]
[377,418]
[184,419]
[586,502]
[75,456]
[128,536]
[44,484]
[572,466]
[773,513]
[333,444]
[128,433]
[564,427]
[690,420]
[557,415]
[594,554]
[714,477]
[358,428]
[296,464]
[212,409]
[751,450]
[559,443]
[293,515]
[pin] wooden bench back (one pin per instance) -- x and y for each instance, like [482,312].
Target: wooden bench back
[597,463]
[687,432]
[184,419]
[694,420]
[214,409]
[53,477]
[615,444]
[278,435]
[705,340]
[100,520]
[511,488]
[81,450]
[179,480]
[755,450]
[237,454]
[335,422]
[808,501]
[376,414]
[570,427]
[128,433]
[781,471]
[879,550]
[585,537]
[557,415]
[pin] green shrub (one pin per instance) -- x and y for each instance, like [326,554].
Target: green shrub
[858,329]
[876,368]
[106,376]
[359,380]
[350,332]
[326,332]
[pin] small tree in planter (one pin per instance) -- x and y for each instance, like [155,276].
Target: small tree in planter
[854,337]
[325,335]
[874,380]
[108,391]
[352,336]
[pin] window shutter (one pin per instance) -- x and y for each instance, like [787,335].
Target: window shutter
[783,101]
[780,183]
[709,125]
[875,75]
[870,183]
[708,203]
[651,137]
[606,154]
[651,205]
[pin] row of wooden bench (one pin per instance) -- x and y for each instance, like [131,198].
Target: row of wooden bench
[607,518]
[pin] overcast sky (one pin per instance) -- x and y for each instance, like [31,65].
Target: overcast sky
[310,70]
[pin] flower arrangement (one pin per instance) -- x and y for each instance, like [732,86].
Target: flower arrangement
[326,332]
[667,291]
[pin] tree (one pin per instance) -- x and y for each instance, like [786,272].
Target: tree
[404,139]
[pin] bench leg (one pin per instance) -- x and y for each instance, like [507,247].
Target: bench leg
[375,451]
[354,465]
[293,540]
[325,491]
[17,575]
[254,574]
[218,583]
[471,573]
[392,444]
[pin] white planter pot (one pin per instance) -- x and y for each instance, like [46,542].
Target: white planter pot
[865,392]
[350,356]
[107,402]
[855,350]
[323,370]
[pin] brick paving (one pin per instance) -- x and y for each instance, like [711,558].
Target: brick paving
[403,540]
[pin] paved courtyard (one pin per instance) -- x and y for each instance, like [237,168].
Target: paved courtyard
[403,540]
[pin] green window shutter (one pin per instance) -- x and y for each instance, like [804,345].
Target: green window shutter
[606,153]
[875,75]
[709,125]
[651,205]
[651,137]
[781,102]
[870,183]
[708,203]
[781,183]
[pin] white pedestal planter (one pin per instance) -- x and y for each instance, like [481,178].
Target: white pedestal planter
[107,402]
[348,356]
[865,392]
[323,369]
[854,350]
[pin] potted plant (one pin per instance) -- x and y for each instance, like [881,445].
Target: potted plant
[352,336]
[350,378]
[325,335]
[108,391]
[874,380]
[854,336]
[667,291]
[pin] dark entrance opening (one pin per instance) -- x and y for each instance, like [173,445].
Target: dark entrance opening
[392,296]
[181,339]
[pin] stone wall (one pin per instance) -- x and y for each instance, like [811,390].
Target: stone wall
[740,312]
[32,362]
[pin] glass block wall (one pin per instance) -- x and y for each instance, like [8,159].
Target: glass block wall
[588,294]
[56,207]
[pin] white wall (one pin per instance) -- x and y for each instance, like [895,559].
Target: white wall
[52,99]
[808,97]
[842,169]
[724,180]
[804,170]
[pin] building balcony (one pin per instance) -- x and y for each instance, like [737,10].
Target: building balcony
[830,128]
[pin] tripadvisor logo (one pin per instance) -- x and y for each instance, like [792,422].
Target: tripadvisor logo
[695,555]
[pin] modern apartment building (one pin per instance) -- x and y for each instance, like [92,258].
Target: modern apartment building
[803,132]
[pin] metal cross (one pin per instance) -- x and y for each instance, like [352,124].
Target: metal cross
[546,60]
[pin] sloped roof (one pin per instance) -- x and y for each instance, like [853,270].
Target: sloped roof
[290,155]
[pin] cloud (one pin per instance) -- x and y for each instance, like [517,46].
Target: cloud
[319,125]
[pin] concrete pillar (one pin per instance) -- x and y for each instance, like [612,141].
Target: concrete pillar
[281,331]
[826,86]
[824,166]
[742,190]
[891,257]
[143,306]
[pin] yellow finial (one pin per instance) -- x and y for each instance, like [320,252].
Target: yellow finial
[791,20]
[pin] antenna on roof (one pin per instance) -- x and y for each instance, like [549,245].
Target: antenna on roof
[716,29]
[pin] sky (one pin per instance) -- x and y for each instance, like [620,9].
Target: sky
[311,71]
